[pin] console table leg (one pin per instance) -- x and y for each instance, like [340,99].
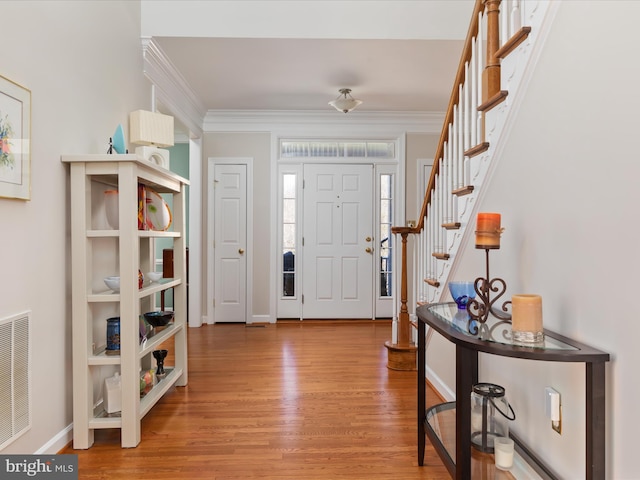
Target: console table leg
[595,421]
[422,358]
[466,377]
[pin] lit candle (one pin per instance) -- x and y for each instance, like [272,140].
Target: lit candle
[488,230]
[526,317]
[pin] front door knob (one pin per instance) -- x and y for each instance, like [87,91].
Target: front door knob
[241,251]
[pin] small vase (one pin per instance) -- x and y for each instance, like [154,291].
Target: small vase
[462,292]
[160,355]
[111,208]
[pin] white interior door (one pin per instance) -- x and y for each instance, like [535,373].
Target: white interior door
[338,244]
[230,243]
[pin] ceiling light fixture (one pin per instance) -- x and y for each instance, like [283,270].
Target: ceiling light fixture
[345,102]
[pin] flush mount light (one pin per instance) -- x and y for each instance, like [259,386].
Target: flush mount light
[345,102]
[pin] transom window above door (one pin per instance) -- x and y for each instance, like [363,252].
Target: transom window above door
[332,149]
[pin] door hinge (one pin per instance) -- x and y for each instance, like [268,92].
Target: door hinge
[214,302]
[303,241]
[303,298]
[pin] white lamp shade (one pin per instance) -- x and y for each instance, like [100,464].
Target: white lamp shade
[150,128]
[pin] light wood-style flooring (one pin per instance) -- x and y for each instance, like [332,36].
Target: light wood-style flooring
[291,401]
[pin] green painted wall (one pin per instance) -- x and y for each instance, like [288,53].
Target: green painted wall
[179,165]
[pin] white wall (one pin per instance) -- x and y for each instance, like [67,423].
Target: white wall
[82,62]
[397,19]
[566,185]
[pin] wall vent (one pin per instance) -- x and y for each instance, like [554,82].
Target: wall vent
[15,377]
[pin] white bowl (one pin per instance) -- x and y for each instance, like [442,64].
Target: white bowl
[154,276]
[113,283]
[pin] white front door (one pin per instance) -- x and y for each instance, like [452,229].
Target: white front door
[230,243]
[338,244]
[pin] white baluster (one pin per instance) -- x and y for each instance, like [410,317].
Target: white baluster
[454,150]
[421,264]
[433,234]
[460,144]
[481,63]
[443,170]
[429,257]
[467,110]
[466,171]
[474,94]
[438,216]
[516,17]
[448,178]
[503,19]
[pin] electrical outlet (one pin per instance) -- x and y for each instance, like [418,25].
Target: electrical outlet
[553,408]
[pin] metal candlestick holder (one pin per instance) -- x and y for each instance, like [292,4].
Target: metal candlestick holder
[480,307]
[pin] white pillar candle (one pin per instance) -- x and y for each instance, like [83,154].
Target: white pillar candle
[503,451]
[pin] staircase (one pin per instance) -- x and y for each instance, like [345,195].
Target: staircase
[502,45]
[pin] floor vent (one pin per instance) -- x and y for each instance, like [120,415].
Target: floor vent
[15,377]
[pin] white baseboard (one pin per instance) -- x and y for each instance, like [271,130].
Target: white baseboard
[440,386]
[58,442]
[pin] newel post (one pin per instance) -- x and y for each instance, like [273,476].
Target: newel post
[402,355]
[491,74]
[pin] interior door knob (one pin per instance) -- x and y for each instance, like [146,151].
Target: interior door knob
[241,251]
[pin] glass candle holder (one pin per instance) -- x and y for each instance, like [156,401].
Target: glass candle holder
[526,318]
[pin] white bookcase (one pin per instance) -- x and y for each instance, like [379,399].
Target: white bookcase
[98,251]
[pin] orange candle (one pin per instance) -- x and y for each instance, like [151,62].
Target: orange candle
[488,230]
[526,317]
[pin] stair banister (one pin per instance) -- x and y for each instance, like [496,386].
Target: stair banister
[402,355]
[459,80]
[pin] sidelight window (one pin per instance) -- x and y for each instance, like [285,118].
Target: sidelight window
[386,238]
[289,204]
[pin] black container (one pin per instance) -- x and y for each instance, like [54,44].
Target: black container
[113,336]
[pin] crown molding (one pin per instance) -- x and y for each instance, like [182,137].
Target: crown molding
[321,121]
[171,89]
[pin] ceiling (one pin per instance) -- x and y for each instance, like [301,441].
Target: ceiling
[305,74]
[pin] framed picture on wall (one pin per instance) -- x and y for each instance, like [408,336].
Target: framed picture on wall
[15,140]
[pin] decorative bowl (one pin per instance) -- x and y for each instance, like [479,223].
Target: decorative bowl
[462,292]
[158,212]
[159,319]
[113,283]
[154,276]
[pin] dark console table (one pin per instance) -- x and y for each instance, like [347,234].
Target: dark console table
[494,338]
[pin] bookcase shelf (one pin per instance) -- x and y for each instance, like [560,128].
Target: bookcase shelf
[98,251]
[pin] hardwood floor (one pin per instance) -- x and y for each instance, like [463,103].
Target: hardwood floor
[292,401]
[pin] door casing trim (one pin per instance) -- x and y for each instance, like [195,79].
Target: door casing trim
[400,184]
[211,163]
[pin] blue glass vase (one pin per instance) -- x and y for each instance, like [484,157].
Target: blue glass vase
[462,292]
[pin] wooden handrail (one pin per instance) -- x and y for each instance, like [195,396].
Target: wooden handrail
[404,347]
[453,101]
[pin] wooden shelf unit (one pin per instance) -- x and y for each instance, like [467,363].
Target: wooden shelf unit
[98,251]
